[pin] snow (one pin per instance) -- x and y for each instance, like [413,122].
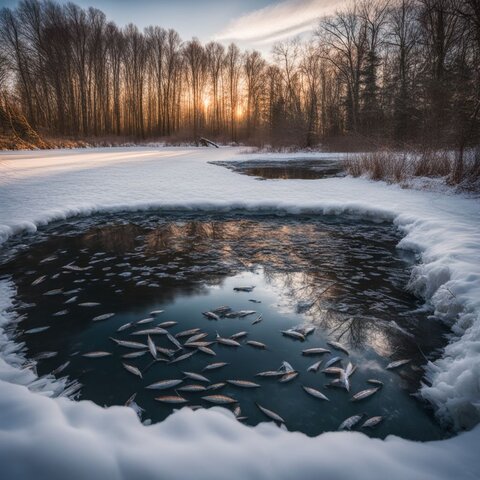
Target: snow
[50,437]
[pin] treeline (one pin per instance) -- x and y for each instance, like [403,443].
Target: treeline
[398,72]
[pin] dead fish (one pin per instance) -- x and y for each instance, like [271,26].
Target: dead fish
[129,344]
[36,330]
[258,319]
[39,280]
[61,368]
[45,355]
[60,313]
[197,344]
[350,369]
[102,317]
[245,313]
[150,331]
[243,289]
[135,354]
[165,351]
[364,394]
[196,376]
[171,399]
[332,371]
[183,357]
[88,304]
[314,367]
[187,333]
[229,342]
[374,381]
[152,347]
[156,312]
[293,334]
[350,422]
[255,344]
[219,399]
[315,351]
[211,315]
[71,300]
[238,335]
[214,366]
[270,373]
[332,361]
[315,393]
[56,291]
[243,383]
[338,346]
[132,369]
[174,341]
[286,367]
[397,363]
[216,386]
[124,327]
[307,330]
[168,324]
[254,301]
[192,388]
[143,321]
[164,384]
[196,338]
[221,310]
[98,354]
[75,268]
[207,350]
[372,422]
[344,380]
[287,377]
[270,414]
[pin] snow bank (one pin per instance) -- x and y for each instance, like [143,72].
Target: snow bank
[55,438]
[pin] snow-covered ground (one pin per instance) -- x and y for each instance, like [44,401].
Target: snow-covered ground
[41,437]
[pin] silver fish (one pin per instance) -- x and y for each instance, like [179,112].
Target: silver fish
[124,327]
[44,355]
[228,342]
[152,347]
[132,369]
[245,313]
[196,338]
[350,422]
[168,324]
[39,280]
[243,383]
[270,414]
[221,310]
[254,301]
[61,368]
[270,373]
[71,300]
[60,313]
[397,363]
[36,330]
[333,371]
[364,394]
[174,341]
[243,289]
[332,361]
[137,354]
[211,315]
[286,367]
[156,312]
[287,377]
[338,346]
[150,331]
[165,351]
[214,366]
[134,406]
[143,321]
[293,334]
[372,422]
[171,399]
[207,350]
[350,369]
[314,367]
[216,386]
[183,357]
[255,344]
[196,376]
[219,399]
[197,344]
[97,354]
[258,319]
[129,344]
[238,335]
[164,384]
[187,333]
[192,388]
[102,317]
[315,351]
[315,393]
[56,291]
[374,381]
[89,304]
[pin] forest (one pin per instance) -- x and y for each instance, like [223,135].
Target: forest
[399,73]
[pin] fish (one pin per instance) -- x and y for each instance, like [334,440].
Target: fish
[221,310]
[332,361]
[152,347]
[254,301]
[229,342]
[39,280]
[168,324]
[183,357]
[216,386]
[60,313]
[164,384]
[45,355]
[143,321]
[315,351]
[314,367]
[219,399]
[165,351]
[397,363]
[332,371]
[124,327]
[156,312]
[132,369]
[137,354]
[372,422]
[214,366]
[196,376]
[129,344]
[61,368]
[344,380]
[238,335]
[134,406]
[307,330]
[364,394]
[270,414]
[255,344]
[150,331]
[192,388]
[89,304]
[207,350]
[75,268]
[315,393]
[338,346]
[270,373]
[258,319]
[374,381]
[187,333]
[243,289]
[36,330]
[293,334]
[171,399]
[197,344]
[71,300]
[102,317]
[196,338]
[243,383]
[56,291]
[211,315]
[174,341]
[97,354]
[350,422]
[245,313]
[287,377]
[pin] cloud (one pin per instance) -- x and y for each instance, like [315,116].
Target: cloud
[277,21]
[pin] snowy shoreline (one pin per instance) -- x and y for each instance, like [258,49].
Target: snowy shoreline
[444,229]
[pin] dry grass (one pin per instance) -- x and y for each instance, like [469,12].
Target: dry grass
[395,167]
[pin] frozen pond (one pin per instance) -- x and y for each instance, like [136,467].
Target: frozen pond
[342,276]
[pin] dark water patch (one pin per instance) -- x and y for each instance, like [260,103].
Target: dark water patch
[342,276]
[300,168]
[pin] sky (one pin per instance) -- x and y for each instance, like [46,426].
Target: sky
[252,24]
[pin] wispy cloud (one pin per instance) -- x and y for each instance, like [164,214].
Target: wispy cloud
[277,21]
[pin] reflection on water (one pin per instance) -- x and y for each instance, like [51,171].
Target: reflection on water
[345,277]
[300,168]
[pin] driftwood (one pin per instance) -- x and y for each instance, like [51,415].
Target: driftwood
[205,142]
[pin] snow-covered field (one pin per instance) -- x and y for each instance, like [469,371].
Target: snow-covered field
[41,437]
